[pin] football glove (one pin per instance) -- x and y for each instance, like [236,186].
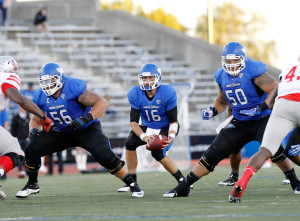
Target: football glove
[294,151]
[251,112]
[81,121]
[46,123]
[208,113]
[33,134]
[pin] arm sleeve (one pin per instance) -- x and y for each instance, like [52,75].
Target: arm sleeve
[172,115]
[134,115]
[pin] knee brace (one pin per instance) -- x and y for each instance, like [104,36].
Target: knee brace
[279,155]
[157,155]
[14,157]
[204,163]
[33,166]
[116,165]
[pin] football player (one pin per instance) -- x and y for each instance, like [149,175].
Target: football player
[156,105]
[283,119]
[10,150]
[74,111]
[245,85]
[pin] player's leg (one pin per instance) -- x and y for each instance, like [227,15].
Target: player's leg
[167,162]
[292,149]
[273,135]
[131,144]
[221,148]
[235,160]
[45,143]
[99,147]
[10,154]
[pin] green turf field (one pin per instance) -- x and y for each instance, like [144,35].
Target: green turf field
[95,197]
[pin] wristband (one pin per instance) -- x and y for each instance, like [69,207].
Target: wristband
[171,135]
[173,127]
[263,106]
[215,111]
[142,136]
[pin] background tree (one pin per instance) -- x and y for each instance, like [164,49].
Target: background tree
[159,15]
[234,24]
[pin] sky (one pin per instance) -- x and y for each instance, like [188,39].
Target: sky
[283,20]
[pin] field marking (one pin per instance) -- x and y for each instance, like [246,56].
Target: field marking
[154,217]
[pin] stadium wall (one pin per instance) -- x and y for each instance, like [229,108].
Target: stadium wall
[196,52]
[60,12]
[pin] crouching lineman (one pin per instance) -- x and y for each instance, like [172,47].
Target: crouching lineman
[156,104]
[74,111]
[10,150]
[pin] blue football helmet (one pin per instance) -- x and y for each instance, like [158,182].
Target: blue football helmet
[51,78]
[147,71]
[233,51]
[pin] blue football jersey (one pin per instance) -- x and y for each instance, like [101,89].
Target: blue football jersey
[153,112]
[241,91]
[66,107]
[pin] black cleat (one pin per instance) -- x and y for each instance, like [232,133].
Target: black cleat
[136,190]
[29,188]
[182,190]
[230,181]
[296,187]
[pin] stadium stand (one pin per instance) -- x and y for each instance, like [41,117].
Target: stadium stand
[106,49]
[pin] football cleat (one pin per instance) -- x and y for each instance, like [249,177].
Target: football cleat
[29,188]
[124,189]
[2,194]
[296,187]
[136,190]
[182,179]
[182,190]
[230,181]
[286,181]
[236,194]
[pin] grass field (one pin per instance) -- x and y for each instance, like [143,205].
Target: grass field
[95,197]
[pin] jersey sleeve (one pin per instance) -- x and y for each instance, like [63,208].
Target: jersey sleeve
[14,80]
[218,76]
[77,87]
[256,68]
[133,98]
[171,100]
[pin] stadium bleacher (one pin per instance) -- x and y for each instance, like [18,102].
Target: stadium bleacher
[109,60]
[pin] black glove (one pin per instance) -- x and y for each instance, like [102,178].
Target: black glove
[81,121]
[33,134]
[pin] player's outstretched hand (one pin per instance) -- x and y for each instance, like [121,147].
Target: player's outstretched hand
[81,121]
[207,113]
[46,123]
[251,112]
